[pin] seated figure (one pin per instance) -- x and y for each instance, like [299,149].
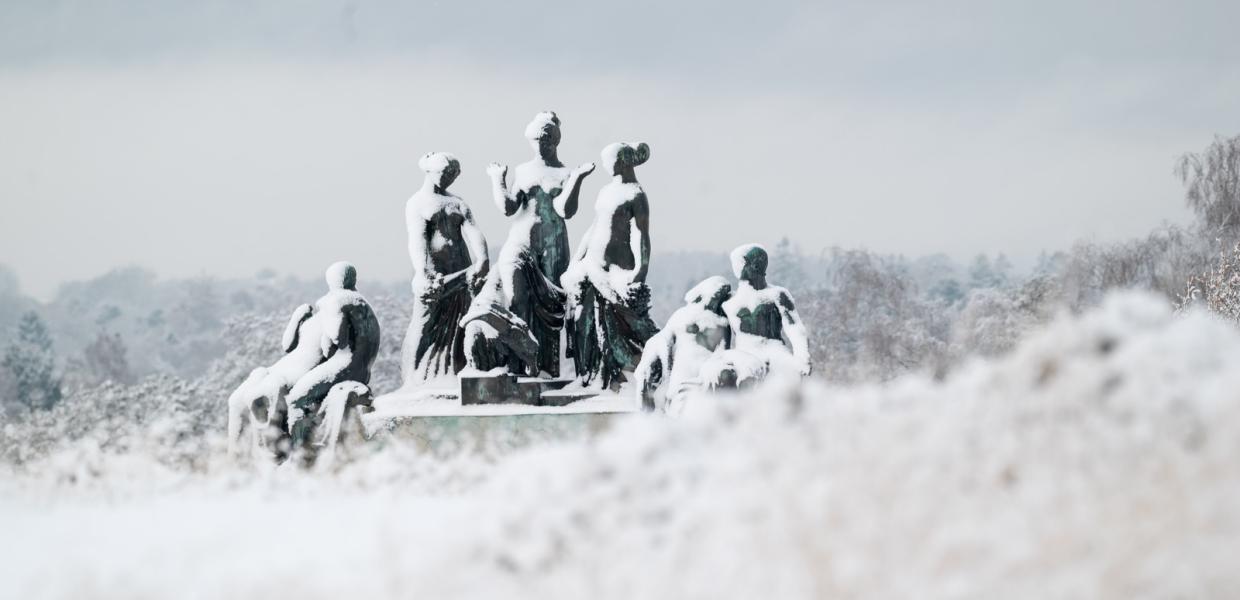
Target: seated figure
[348,339]
[259,400]
[515,321]
[763,317]
[608,301]
[449,255]
[672,359]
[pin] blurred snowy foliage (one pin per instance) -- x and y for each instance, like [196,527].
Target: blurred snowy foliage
[1218,289]
[188,412]
[1096,459]
[30,362]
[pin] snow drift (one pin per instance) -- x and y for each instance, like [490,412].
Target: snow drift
[1101,459]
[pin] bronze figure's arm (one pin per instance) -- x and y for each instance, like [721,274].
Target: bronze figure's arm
[505,200]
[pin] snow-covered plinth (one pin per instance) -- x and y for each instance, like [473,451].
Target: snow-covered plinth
[451,407]
[394,411]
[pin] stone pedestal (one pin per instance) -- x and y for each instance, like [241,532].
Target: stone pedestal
[498,389]
[565,397]
[510,389]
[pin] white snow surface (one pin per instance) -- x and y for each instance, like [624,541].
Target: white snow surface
[1101,459]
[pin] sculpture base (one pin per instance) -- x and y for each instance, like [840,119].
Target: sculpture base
[510,389]
[565,397]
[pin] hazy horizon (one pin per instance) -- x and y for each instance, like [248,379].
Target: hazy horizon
[212,138]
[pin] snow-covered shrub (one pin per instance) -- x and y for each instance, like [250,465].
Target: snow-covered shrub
[873,323]
[1159,262]
[1218,289]
[992,320]
[393,312]
[168,418]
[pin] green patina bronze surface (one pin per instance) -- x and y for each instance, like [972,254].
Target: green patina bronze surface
[763,321]
[606,334]
[766,319]
[349,359]
[549,238]
[499,389]
[607,338]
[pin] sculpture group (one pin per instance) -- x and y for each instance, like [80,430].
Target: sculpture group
[495,322]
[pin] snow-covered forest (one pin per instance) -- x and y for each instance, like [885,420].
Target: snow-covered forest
[875,317]
[1067,428]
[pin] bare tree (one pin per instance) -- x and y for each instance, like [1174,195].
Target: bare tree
[1213,181]
[872,323]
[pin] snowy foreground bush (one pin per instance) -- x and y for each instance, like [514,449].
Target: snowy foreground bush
[1101,459]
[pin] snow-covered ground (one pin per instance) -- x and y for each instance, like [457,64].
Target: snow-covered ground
[1100,460]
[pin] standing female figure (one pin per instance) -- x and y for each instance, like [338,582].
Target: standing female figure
[449,257]
[516,319]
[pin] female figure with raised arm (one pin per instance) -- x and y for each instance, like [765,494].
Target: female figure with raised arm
[608,301]
[516,320]
[450,263]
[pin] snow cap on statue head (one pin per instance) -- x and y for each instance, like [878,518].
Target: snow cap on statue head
[620,155]
[544,123]
[341,276]
[442,166]
[752,256]
[707,289]
[437,162]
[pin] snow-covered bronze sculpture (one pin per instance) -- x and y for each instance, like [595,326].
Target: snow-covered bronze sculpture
[763,317]
[259,400]
[331,342]
[608,301]
[348,338]
[515,322]
[672,359]
[449,257]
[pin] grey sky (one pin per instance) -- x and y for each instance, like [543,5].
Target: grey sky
[222,137]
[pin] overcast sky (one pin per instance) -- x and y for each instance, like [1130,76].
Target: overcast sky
[219,138]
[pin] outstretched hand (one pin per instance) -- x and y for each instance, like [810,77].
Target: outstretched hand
[584,169]
[498,171]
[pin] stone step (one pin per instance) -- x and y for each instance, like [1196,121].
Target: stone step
[510,389]
[565,397]
[547,384]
